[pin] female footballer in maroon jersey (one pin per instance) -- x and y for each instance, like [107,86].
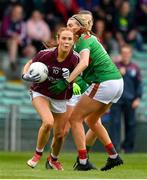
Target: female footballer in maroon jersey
[61,61]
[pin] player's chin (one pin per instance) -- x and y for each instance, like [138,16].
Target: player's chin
[66,49]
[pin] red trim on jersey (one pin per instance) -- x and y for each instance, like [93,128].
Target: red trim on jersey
[94,90]
[86,36]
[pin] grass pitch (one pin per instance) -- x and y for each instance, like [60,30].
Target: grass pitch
[13,166]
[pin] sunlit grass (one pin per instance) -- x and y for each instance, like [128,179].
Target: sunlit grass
[13,165]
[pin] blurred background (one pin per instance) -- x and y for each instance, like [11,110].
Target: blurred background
[25,24]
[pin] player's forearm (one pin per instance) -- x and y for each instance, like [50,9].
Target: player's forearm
[26,67]
[82,65]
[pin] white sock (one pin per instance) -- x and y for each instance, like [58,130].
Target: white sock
[83,161]
[53,156]
[114,156]
[39,150]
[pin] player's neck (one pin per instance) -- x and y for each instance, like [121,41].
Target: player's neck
[62,56]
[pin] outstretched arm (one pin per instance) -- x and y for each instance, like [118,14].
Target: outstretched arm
[82,65]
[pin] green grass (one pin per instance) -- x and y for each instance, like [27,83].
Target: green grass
[13,166]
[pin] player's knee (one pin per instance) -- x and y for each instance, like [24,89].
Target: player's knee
[72,121]
[66,132]
[92,126]
[89,123]
[47,126]
[59,136]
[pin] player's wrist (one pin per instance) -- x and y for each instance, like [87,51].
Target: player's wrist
[67,81]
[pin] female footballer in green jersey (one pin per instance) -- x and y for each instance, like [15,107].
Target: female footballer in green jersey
[91,137]
[106,86]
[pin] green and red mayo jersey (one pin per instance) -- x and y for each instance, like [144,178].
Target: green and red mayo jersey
[101,68]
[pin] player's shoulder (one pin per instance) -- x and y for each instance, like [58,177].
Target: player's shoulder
[74,58]
[76,54]
[84,37]
[87,37]
[46,52]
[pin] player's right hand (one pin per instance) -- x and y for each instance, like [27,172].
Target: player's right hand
[31,77]
[58,86]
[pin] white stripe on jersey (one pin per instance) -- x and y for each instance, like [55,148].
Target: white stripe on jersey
[75,53]
[49,49]
[86,49]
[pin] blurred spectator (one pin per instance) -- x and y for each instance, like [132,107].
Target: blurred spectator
[58,11]
[100,31]
[40,5]
[128,103]
[133,5]
[3,5]
[91,5]
[67,8]
[142,17]
[28,7]
[52,16]
[13,29]
[38,30]
[126,28]
[106,11]
[105,37]
[117,3]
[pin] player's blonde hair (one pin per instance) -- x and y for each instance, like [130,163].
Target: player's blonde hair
[84,13]
[82,21]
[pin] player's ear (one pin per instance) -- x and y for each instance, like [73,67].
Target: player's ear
[57,39]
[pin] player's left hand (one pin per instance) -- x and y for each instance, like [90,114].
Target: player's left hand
[58,86]
[76,89]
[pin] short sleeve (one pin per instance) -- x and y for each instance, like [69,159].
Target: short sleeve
[37,57]
[83,43]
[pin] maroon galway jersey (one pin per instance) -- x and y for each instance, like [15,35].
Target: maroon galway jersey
[57,70]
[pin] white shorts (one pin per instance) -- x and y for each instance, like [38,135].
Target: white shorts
[73,100]
[57,106]
[107,91]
